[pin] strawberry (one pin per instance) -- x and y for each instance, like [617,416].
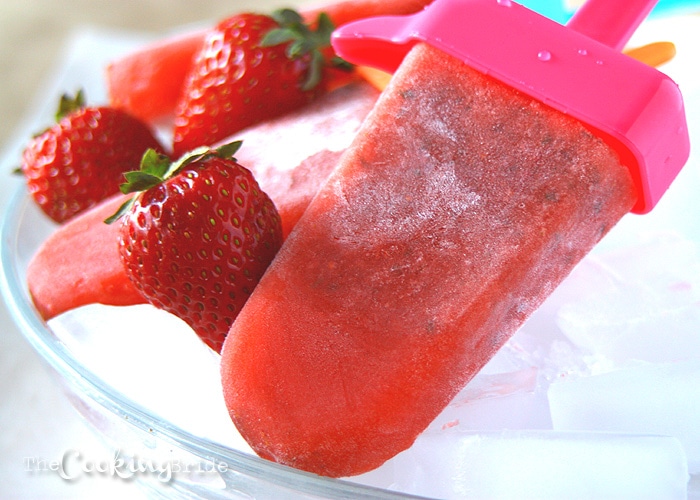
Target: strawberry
[147,82]
[251,67]
[81,159]
[198,238]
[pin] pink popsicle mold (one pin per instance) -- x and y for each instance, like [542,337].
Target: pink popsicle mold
[577,69]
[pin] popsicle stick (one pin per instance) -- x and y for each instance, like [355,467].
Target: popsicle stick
[611,22]
[654,54]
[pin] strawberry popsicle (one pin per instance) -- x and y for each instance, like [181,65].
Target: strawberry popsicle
[292,156]
[463,202]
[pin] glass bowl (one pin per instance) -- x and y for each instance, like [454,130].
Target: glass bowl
[169,457]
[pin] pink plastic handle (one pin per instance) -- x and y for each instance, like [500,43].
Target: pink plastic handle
[635,108]
[610,22]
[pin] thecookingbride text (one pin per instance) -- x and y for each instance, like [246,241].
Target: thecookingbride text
[74,465]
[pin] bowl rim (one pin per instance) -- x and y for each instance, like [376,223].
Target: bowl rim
[54,353]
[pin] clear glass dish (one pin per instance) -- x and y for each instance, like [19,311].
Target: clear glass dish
[216,470]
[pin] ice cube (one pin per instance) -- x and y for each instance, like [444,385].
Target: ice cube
[630,318]
[542,465]
[540,342]
[156,361]
[542,345]
[497,401]
[645,399]
[635,323]
[659,261]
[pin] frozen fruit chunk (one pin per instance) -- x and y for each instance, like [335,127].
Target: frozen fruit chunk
[79,264]
[460,206]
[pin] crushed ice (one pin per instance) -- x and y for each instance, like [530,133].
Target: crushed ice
[598,388]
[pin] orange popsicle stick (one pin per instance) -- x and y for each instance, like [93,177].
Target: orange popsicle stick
[653,54]
[376,77]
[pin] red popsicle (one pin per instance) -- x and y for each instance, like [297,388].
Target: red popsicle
[461,205]
[292,156]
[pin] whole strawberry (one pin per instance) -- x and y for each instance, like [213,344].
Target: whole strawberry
[82,158]
[198,239]
[251,67]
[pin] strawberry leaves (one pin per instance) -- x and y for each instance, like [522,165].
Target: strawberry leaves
[302,40]
[156,168]
[69,104]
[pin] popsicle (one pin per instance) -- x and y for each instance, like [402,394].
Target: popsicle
[291,156]
[488,168]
